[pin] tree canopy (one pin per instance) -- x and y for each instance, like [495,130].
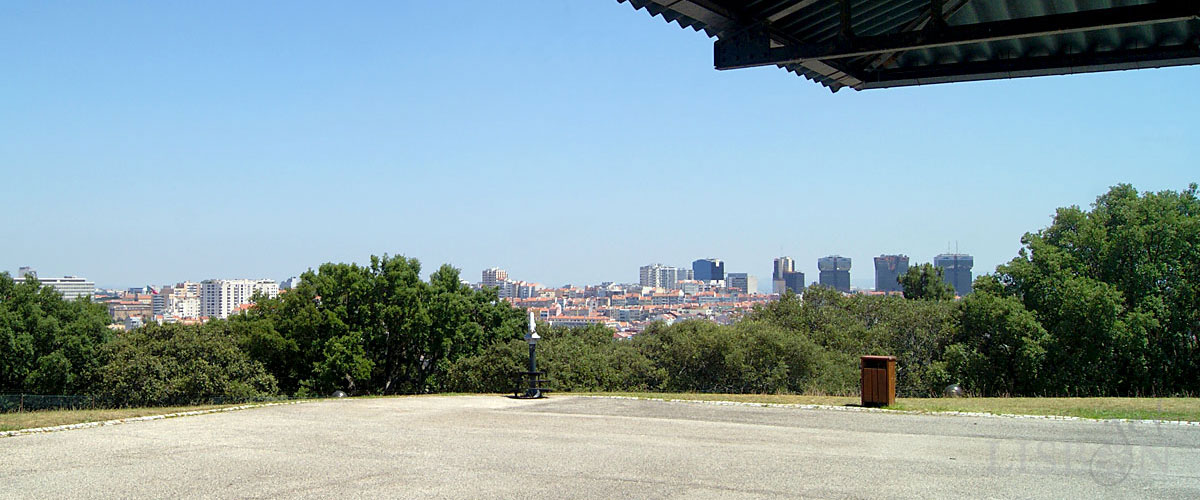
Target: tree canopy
[377,328]
[926,282]
[48,345]
[1116,290]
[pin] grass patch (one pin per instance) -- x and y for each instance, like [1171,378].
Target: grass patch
[50,418]
[1185,409]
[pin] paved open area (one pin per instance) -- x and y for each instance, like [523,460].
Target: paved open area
[582,447]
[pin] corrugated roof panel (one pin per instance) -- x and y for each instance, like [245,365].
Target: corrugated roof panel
[797,22]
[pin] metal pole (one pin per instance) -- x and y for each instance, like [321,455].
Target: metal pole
[532,358]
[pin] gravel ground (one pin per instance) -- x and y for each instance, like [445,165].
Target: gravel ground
[582,447]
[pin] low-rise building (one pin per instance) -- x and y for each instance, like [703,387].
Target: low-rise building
[71,287]
[121,310]
[580,321]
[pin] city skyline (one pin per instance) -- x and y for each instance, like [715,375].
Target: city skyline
[493,274]
[240,140]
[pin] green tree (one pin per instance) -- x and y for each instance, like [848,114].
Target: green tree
[1000,348]
[1118,290]
[48,345]
[377,328]
[344,363]
[589,359]
[926,282]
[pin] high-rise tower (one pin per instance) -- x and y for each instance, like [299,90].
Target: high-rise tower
[783,266]
[956,270]
[835,272]
[888,270]
[708,270]
[794,281]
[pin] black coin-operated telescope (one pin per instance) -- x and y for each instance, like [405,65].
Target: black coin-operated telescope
[532,337]
[532,378]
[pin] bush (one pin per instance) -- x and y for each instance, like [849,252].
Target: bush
[493,370]
[178,365]
[588,359]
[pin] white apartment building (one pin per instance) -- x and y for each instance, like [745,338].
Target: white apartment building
[659,276]
[527,290]
[182,307]
[180,301]
[187,288]
[662,276]
[218,298]
[506,289]
[494,277]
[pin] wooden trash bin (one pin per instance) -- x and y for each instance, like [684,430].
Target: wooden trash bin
[878,380]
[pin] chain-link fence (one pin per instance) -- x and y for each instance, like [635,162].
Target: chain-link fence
[33,402]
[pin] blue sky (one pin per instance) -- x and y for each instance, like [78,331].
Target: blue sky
[568,142]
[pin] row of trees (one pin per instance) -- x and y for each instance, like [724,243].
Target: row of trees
[1102,302]
[375,329]
[791,345]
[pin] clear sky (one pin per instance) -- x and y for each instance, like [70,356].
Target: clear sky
[567,142]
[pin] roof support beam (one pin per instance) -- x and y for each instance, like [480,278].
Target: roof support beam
[791,9]
[886,58]
[935,13]
[847,19]
[1153,57]
[752,46]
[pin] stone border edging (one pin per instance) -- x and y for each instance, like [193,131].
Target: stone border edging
[85,425]
[1185,423]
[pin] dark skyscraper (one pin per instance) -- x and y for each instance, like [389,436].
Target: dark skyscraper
[708,269]
[888,269]
[794,281]
[956,270]
[835,272]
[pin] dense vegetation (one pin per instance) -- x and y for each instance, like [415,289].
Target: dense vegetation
[1103,302]
[790,345]
[48,345]
[376,329]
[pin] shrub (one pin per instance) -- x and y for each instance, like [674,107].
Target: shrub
[173,364]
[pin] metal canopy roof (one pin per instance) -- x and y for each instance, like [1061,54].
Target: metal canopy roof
[867,44]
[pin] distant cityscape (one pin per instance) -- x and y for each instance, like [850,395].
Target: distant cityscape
[705,291]
[662,293]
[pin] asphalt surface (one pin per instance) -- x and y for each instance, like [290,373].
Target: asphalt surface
[578,447]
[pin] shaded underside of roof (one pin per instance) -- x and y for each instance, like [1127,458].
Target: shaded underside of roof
[866,44]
